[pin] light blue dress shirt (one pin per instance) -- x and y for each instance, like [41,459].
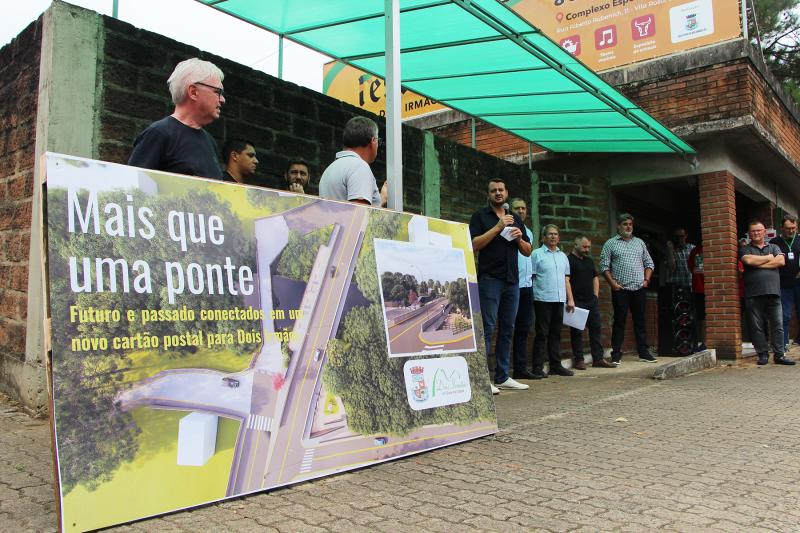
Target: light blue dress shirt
[525,266]
[549,272]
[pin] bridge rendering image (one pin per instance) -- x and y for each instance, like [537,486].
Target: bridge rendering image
[228,339]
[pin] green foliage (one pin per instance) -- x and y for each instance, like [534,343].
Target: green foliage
[372,387]
[94,436]
[458,296]
[381,225]
[298,257]
[779,30]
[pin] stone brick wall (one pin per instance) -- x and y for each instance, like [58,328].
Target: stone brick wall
[19,81]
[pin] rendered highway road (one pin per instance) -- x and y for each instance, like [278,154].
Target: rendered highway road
[408,338]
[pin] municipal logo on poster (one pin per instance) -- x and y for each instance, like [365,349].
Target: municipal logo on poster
[437,382]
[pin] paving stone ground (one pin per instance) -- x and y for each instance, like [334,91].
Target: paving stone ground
[606,450]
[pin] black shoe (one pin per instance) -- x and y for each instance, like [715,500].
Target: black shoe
[647,358]
[525,375]
[762,360]
[561,371]
[784,361]
[539,375]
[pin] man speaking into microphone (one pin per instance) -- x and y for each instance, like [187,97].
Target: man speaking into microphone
[499,235]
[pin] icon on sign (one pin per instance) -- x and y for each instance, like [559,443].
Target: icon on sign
[559,16]
[643,27]
[572,44]
[691,21]
[605,37]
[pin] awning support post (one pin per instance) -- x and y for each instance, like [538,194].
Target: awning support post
[394,119]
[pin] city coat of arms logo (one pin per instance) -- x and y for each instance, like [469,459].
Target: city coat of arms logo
[419,388]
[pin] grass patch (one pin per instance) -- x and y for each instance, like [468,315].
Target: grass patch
[147,363]
[331,405]
[153,483]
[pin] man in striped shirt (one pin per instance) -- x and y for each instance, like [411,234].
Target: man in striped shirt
[627,266]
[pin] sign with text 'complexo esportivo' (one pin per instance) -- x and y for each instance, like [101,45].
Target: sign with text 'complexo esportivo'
[211,340]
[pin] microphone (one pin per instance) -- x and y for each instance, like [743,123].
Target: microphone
[505,208]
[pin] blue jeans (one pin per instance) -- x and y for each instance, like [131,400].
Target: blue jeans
[498,297]
[790,300]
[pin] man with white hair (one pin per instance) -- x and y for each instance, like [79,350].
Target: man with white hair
[178,143]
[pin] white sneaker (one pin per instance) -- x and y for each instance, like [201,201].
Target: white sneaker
[495,390]
[511,384]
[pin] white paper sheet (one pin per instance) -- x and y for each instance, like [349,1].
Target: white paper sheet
[577,318]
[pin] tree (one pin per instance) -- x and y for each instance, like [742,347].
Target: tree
[779,33]
[457,295]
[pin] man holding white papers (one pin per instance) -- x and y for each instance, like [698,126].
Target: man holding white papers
[499,236]
[551,290]
[585,285]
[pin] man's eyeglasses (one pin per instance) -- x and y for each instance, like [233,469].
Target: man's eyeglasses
[380,141]
[217,90]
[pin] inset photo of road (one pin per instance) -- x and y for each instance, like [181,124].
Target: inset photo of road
[426,303]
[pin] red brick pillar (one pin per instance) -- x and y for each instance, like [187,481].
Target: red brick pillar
[720,246]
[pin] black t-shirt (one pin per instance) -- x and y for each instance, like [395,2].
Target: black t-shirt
[760,281]
[170,145]
[499,258]
[581,277]
[790,270]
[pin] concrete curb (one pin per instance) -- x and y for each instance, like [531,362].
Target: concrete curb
[687,365]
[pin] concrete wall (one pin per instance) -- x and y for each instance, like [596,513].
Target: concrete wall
[83,84]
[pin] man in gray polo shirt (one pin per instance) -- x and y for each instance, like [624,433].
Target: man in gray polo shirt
[762,294]
[349,177]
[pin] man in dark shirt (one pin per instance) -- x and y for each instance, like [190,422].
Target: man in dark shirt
[499,236]
[790,272]
[586,291]
[240,160]
[178,143]
[762,290]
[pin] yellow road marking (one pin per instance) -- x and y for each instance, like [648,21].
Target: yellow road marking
[467,336]
[416,323]
[254,452]
[342,249]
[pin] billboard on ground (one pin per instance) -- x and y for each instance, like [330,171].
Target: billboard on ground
[211,340]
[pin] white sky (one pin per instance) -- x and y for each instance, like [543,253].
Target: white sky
[200,26]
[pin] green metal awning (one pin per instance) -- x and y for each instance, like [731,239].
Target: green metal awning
[476,56]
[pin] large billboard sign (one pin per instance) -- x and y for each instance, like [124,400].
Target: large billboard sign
[211,340]
[603,34]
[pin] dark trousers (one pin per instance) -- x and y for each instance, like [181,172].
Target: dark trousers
[522,326]
[498,300]
[593,325]
[764,314]
[790,301]
[622,300]
[549,317]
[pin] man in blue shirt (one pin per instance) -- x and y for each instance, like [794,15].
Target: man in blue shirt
[551,291]
[522,324]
